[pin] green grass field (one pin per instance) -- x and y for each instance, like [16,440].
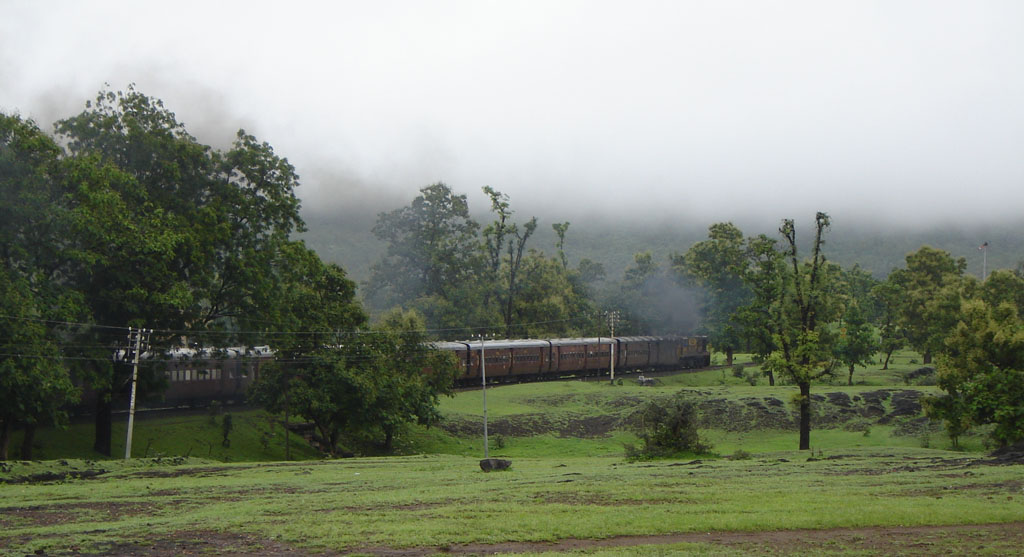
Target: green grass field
[434,502]
[879,480]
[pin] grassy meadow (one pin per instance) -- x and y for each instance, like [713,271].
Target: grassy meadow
[879,480]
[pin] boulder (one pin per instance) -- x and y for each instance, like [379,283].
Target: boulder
[491,464]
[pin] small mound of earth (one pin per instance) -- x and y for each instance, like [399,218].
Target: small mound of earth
[1012,454]
[920,373]
[829,410]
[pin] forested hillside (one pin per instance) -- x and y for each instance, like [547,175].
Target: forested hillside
[346,238]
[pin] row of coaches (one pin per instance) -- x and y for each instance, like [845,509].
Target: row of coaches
[522,360]
[195,377]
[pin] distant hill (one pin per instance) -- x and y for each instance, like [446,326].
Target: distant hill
[346,239]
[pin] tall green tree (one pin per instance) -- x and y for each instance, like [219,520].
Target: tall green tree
[981,370]
[505,245]
[352,385]
[801,313]
[856,345]
[756,318]
[888,297]
[431,249]
[551,301]
[929,292]
[317,310]
[561,229]
[34,383]
[410,375]
[718,266]
[43,236]
[169,233]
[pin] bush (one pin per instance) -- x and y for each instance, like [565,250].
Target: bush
[737,371]
[667,428]
[499,441]
[740,454]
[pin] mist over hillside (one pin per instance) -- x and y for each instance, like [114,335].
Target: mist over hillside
[344,236]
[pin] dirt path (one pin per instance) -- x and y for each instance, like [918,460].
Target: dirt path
[987,539]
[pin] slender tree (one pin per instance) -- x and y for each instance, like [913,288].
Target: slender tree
[856,345]
[806,304]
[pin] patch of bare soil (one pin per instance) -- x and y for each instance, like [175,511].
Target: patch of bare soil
[64,513]
[988,539]
[44,477]
[525,425]
[205,543]
[190,472]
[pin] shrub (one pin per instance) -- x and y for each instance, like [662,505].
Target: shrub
[737,371]
[740,454]
[499,441]
[668,428]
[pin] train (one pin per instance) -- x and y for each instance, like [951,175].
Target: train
[531,360]
[198,377]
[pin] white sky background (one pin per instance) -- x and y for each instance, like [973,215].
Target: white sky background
[908,110]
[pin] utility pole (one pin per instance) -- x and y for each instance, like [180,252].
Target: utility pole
[613,319]
[483,384]
[984,260]
[287,404]
[136,335]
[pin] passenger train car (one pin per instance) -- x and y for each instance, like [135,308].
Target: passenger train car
[198,377]
[528,360]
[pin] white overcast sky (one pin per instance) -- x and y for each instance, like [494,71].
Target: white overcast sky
[905,109]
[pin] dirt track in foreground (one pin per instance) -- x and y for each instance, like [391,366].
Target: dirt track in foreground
[987,539]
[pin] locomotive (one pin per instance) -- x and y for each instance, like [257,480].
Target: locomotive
[197,377]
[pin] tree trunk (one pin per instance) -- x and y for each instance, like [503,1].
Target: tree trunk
[927,358]
[104,423]
[771,378]
[326,439]
[27,440]
[850,380]
[888,355]
[5,437]
[389,439]
[728,356]
[805,415]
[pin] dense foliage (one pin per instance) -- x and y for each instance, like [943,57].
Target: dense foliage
[124,219]
[466,278]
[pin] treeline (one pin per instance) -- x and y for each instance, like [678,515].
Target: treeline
[807,319]
[470,279]
[121,219]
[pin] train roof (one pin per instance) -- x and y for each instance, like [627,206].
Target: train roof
[492,344]
[446,345]
[575,341]
[539,343]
